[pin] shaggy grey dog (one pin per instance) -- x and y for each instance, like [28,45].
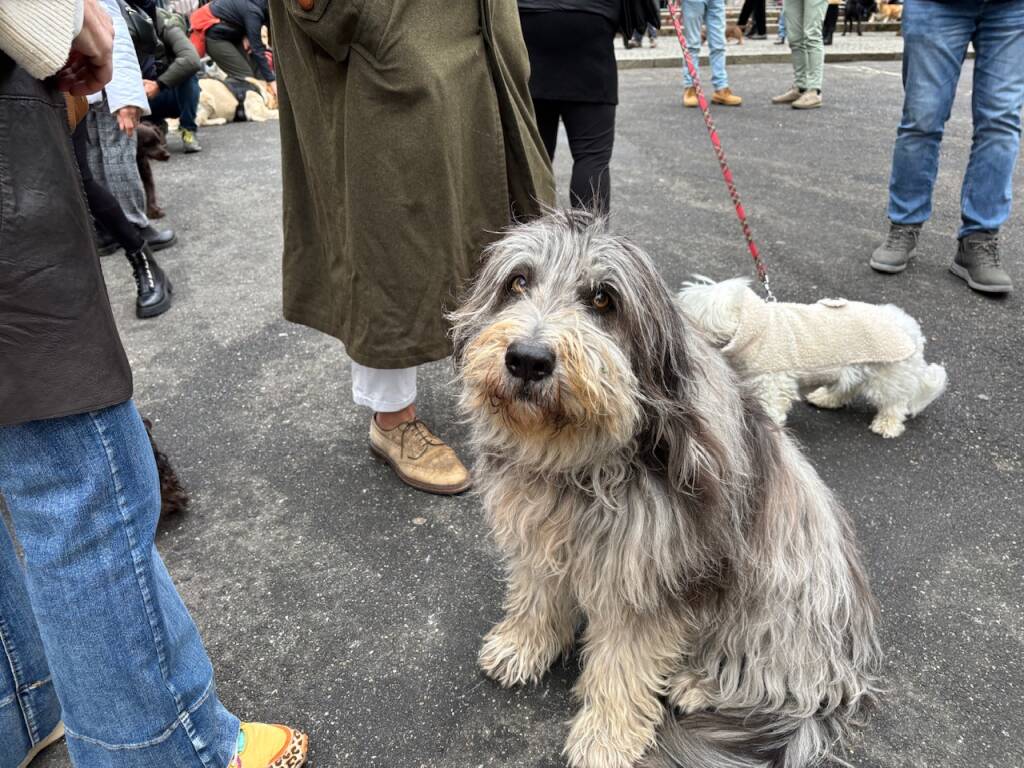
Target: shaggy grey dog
[632,484]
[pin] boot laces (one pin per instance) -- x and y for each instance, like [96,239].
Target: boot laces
[141,264]
[421,439]
[987,253]
[901,238]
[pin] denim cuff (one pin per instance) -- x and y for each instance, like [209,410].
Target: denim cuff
[203,736]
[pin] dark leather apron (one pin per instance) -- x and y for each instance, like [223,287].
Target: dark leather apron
[60,353]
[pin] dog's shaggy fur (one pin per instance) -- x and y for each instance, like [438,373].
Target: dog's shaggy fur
[174,499]
[729,621]
[896,390]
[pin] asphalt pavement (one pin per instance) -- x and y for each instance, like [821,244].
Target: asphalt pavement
[334,598]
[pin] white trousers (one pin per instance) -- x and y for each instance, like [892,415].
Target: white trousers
[383,389]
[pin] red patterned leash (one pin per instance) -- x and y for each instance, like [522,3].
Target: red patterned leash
[759,265]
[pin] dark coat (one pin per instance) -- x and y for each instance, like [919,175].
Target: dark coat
[179,59]
[408,141]
[59,349]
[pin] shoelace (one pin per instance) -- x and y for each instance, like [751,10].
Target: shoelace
[900,237]
[987,253]
[143,261]
[422,435]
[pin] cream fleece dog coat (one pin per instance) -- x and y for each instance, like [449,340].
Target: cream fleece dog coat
[813,338]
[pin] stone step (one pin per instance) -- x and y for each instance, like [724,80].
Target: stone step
[667,30]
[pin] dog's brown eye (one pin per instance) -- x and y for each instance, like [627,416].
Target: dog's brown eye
[601,301]
[518,284]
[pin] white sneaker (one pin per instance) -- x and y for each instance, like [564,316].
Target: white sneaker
[808,100]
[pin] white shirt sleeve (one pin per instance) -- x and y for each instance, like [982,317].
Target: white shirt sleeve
[125,89]
[38,34]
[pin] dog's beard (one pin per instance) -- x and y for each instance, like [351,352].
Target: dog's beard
[588,405]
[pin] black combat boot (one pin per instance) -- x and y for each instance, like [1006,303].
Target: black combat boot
[153,285]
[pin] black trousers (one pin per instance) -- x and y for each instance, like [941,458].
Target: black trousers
[829,27]
[757,7]
[102,204]
[591,130]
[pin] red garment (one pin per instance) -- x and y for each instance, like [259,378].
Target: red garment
[200,21]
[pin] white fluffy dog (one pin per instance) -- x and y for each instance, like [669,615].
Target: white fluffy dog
[834,351]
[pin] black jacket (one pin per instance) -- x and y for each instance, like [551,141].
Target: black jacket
[246,18]
[59,349]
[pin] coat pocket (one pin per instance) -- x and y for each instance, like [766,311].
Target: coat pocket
[332,24]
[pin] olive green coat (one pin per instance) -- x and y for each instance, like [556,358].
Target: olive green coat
[408,143]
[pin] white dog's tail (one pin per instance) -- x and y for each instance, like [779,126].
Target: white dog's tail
[726,739]
[932,384]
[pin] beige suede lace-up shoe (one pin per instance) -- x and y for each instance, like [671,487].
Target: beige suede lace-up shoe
[420,458]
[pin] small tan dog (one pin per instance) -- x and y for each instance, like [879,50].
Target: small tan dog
[733,31]
[888,12]
[221,102]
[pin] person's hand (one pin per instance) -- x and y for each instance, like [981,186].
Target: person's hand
[90,65]
[272,87]
[152,88]
[128,118]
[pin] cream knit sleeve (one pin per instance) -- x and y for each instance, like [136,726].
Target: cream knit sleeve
[37,34]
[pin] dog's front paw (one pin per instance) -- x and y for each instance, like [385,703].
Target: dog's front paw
[888,426]
[601,741]
[824,397]
[514,653]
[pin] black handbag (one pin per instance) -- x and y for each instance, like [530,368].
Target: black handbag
[142,30]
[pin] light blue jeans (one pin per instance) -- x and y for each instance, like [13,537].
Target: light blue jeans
[712,14]
[936,36]
[95,605]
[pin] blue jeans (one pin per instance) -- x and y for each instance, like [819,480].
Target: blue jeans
[782,26]
[712,13]
[936,35]
[95,604]
[182,101]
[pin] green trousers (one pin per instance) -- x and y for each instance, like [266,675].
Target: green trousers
[230,57]
[804,21]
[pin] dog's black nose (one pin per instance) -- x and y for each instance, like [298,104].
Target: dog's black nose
[529,361]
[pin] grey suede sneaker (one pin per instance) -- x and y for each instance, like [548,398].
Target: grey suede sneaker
[894,254]
[977,262]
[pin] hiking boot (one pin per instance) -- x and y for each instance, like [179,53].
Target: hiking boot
[788,97]
[726,97]
[893,255]
[269,746]
[157,239]
[690,97]
[154,289]
[757,36]
[420,458]
[977,262]
[780,41]
[809,99]
[189,140]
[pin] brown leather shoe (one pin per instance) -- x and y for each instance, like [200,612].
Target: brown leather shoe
[420,458]
[690,97]
[726,97]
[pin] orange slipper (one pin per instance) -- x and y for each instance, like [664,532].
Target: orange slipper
[270,746]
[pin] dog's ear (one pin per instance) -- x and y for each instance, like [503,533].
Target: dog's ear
[676,440]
